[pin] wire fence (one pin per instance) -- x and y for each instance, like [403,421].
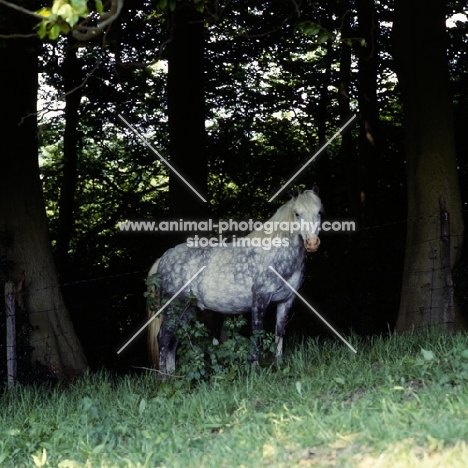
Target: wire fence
[430,307]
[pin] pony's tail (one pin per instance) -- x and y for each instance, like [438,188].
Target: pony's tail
[153,305]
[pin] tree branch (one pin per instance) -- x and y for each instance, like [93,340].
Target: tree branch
[84,33]
[21,10]
[80,31]
[17,36]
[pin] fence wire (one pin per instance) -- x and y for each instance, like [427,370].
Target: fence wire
[432,271]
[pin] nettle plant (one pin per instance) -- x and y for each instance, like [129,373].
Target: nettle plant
[200,356]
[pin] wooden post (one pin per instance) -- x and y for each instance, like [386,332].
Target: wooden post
[448,303]
[10,291]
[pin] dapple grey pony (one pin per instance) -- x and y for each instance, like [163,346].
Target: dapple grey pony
[236,279]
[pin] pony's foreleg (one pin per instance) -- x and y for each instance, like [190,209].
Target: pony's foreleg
[281,315]
[258,311]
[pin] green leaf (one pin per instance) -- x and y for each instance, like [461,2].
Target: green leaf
[54,31]
[65,11]
[323,37]
[45,12]
[309,28]
[56,5]
[64,28]
[142,406]
[42,31]
[81,7]
[427,355]
[40,460]
[99,7]
[299,387]
[339,380]
[69,464]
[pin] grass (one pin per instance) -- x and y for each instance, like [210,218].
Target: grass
[400,402]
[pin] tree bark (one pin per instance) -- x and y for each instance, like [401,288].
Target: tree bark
[344,76]
[73,91]
[322,168]
[186,112]
[368,106]
[10,313]
[22,211]
[421,58]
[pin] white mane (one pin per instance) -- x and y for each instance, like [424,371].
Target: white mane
[286,213]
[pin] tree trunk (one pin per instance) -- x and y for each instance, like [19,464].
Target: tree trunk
[22,211]
[322,169]
[347,153]
[420,52]
[186,111]
[368,106]
[73,92]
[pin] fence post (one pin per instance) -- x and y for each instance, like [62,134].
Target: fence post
[448,304]
[10,291]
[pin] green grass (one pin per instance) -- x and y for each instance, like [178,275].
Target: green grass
[400,402]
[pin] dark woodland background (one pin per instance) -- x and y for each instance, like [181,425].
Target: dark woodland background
[273,81]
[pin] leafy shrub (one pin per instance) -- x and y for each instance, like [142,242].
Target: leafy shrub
[202,357]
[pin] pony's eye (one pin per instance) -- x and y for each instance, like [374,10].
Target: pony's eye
[297,215]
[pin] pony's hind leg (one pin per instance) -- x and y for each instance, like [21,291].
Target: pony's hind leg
[167,346]
[168,340]
[171,355]
[282,310]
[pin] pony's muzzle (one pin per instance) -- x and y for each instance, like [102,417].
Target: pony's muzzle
[311,244]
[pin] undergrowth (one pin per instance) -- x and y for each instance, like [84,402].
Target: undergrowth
[202,357]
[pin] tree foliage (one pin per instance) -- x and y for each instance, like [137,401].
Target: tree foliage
[279,78]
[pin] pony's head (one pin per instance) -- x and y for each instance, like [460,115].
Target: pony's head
[306,209]
[299,216]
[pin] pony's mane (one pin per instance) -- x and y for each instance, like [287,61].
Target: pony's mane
[286,213]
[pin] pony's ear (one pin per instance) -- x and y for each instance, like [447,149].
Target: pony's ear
[296,192]
[315,189]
